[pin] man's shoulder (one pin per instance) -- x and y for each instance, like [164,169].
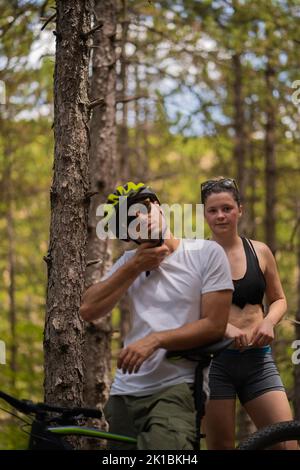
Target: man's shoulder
[201,244]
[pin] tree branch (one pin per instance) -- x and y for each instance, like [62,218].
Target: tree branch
[91,31]
[127,99]
[48,21]
[90,194]
[98,102]
[94,261]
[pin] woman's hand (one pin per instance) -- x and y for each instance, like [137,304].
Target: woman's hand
[131,358]
[240,337]
[263,333]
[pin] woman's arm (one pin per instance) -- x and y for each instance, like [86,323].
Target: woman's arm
[264,334]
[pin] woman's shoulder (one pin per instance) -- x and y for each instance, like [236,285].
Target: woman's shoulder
[262,250]
[260,245]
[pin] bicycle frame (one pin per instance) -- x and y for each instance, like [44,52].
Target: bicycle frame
[90,432]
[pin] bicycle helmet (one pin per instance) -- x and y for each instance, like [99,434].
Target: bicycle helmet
[130,193]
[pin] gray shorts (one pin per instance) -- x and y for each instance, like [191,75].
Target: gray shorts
[247,374]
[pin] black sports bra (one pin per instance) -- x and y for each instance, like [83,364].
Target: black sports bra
[250,289]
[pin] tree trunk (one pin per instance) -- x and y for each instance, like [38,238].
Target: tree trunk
[138,156]
[245,425]
[252,173]
[297,328]
[146,146]
[270,163]
[11,267]
[63,335]
[239,124]
[12,291]
[123,132]
[97,354]
[270,169]
[240,143]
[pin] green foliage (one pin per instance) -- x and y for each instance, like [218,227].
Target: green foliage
[26,148]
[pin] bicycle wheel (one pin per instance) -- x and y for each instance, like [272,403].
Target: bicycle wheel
[271,435]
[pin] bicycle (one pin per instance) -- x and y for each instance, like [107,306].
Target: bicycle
[272,435]
[47,434]
[51,424]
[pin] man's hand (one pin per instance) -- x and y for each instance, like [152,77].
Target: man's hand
[131,358]
[148,258]
[240,337]
[263,333]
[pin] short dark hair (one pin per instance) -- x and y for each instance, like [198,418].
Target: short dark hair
[220,185]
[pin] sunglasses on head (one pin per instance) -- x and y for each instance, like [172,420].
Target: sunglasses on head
[226,183]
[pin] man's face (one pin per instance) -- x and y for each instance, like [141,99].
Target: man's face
[147,221]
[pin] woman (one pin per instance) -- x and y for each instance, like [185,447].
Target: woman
[247,369]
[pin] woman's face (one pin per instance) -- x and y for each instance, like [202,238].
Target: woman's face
[222,212]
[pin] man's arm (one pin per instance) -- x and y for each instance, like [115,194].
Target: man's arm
[100,298]
[211,327]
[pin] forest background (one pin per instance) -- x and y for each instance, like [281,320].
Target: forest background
[202,88]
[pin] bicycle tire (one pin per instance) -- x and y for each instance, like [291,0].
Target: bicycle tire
[271,435]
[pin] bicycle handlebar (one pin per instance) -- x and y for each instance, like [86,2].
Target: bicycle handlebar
[28,407]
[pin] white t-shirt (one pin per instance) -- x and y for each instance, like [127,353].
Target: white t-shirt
[169,298]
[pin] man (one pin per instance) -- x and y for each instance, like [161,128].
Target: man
[180,293]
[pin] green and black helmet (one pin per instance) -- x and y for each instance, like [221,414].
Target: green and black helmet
[131,193]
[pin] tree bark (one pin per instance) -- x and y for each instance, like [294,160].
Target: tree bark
[12,290]
[239,124]
[97,356]
[245,425]
[297,327]
[123,131]
[251,201]
[270,162]
[63,336]
[11,265]
[240,142]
